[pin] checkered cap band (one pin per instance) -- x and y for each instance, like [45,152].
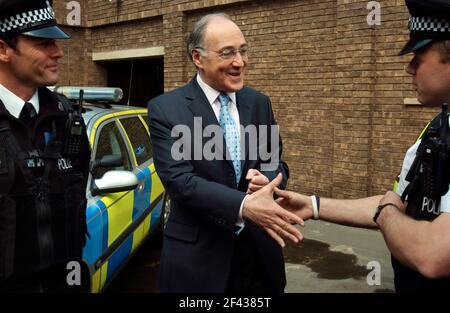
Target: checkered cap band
[30,18]
[429,24]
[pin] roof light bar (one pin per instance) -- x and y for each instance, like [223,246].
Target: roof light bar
[90,93]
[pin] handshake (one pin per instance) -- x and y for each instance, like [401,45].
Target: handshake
[276,217]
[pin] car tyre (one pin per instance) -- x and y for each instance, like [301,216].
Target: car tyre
[164,217]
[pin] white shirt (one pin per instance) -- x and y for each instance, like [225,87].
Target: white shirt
[14,104]
[212,96]
[444,205]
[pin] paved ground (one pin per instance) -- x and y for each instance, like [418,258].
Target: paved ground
[332,258]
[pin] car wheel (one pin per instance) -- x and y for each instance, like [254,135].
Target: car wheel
[165,211]
[164,217]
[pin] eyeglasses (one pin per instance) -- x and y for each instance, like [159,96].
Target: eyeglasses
[228,54]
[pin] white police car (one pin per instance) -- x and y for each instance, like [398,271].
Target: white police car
[126,200]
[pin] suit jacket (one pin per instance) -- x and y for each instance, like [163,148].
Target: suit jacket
[205,198]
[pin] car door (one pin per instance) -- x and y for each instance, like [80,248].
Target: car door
[150,191]
[109,216]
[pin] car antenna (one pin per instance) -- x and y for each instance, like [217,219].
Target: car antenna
[131,81]
[80,104]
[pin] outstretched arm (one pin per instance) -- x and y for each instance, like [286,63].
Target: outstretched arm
[421,245]
[356,213]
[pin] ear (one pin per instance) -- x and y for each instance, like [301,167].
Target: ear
[5,51]
[197,59]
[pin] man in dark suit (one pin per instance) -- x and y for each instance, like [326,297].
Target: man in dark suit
[224,230]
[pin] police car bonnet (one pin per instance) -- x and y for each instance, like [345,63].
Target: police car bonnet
[34,18]
[429,22]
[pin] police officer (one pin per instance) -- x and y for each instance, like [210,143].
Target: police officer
[42,178]
[416,230]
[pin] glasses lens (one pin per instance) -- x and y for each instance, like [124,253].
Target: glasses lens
[227,54]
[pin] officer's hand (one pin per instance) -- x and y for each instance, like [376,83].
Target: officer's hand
[256,180]
[298,204]
[392,197]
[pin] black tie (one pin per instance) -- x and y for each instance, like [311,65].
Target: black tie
[28,113]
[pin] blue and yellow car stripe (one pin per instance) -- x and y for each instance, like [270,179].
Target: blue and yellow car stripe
[119,222]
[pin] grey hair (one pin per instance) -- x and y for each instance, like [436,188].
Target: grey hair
[198,33]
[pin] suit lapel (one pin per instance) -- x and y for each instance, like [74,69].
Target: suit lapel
[244,110]
[200,107]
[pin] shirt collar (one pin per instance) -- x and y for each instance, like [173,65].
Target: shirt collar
[14,104]
[212,94]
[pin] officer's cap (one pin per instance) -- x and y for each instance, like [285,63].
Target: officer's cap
[34,18]
[429,22]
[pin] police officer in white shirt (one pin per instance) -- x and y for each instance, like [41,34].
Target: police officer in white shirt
[415,221]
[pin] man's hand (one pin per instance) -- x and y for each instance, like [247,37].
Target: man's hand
[261,209]
[298,204]
[256,181]
[392,197]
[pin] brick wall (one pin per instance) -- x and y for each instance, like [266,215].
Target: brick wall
[336,84]
[137,34]
[394,125]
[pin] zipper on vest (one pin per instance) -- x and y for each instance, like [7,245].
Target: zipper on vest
[43,225]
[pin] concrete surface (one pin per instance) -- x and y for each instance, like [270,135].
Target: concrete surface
[334,258]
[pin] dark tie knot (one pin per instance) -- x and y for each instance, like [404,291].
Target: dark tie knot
[28,113]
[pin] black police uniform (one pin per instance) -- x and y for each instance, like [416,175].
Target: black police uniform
[429,179]
[429,174]
[42,189]
[42,199]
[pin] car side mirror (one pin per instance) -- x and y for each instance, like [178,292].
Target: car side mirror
[113,160]
[114,181]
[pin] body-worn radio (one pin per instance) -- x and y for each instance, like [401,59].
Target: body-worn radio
[74,131]
[429,175]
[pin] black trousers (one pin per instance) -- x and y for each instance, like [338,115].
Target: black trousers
[409,281]
[248,273]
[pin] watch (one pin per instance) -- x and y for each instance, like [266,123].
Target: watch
[380,208]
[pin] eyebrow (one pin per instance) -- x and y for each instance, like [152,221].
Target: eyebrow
[231,47]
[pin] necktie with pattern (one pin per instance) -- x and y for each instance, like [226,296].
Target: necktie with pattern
[231,134]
